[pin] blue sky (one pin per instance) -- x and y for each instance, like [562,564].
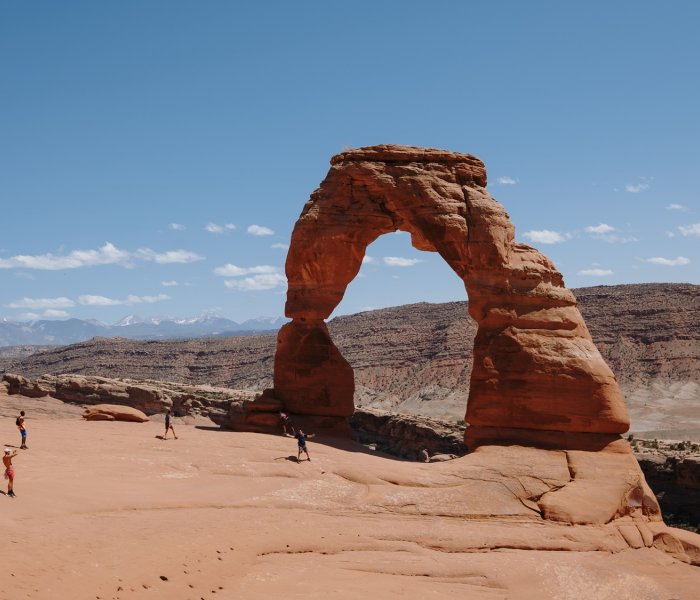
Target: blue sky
[155,155]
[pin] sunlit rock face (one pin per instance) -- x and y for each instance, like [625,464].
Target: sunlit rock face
[535,365]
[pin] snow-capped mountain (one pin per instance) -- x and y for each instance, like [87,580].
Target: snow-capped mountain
[70,331]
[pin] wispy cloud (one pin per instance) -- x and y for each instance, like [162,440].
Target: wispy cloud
[260,230]
[280,246]
[108,254]
[596,272]
[397,261]
[169,283]
[636,188]
[545,236]
[172,256]
[38,303]
[506,181]
[230,270]
[668,262]
[216,228]
[604,232]
[600,229]
[265,281]
[52,313]
[177,226]
[260,277]
[693,229]
[130,300]
[368,260]
[674,206]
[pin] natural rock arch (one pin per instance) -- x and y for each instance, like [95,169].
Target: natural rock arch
[535,364]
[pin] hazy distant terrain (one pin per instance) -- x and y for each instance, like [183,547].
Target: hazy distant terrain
[417,358]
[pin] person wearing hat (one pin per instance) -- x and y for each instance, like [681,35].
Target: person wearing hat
[9,470]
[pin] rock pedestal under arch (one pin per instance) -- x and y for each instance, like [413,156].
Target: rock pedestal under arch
[535,365]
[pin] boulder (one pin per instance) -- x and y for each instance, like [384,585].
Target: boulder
[114,412]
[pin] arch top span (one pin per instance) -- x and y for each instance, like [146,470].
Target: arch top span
[535,365]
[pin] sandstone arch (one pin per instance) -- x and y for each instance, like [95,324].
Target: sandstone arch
[535,365]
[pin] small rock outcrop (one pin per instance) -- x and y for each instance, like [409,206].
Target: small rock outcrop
[114,412]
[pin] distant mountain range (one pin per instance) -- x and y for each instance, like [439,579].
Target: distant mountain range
[71,331]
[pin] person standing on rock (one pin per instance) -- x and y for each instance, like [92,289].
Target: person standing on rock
[168,426]
[22,429]
[9,470]
[301,443]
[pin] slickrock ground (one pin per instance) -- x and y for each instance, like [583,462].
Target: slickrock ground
[108,510]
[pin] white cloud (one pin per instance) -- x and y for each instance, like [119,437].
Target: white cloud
[397,261]
[37,303]
[600,229]
[260,230]
[595,272]
[55,314]
[635,188]
[216,228]
[169,283]
[506,180]
[668,262]
[545,236]
[265,281]
[693,229]
[230,270]
[172,256]
[106,255]
[177,226]
[28,316]
[280,246]
[92,300]
[368,260]
[676,207]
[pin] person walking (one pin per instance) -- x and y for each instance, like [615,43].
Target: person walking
[22,429]
[168,426]
[9,470]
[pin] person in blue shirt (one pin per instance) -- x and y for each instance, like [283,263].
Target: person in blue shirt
[301,442]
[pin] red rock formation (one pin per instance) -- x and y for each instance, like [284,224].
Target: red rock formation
[114,412]
[535,365]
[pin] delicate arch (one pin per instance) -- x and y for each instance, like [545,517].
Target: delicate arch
[535,364]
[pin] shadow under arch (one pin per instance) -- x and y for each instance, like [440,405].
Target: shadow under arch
[535,364]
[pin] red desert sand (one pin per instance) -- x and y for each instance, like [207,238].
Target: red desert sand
[109,510]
